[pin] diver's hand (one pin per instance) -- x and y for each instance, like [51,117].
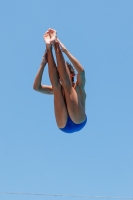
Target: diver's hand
[53,35]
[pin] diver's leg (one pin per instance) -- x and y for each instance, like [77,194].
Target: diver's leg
[60,109]
[53,73]
[59,103]
[62,67]
[74,106]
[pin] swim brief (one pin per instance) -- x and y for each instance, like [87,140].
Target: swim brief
[72,127]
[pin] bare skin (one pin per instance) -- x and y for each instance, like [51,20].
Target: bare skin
[68,98]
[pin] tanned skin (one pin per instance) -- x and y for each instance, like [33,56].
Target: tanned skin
[69,99]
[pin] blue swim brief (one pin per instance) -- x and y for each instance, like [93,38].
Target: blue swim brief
[72,127]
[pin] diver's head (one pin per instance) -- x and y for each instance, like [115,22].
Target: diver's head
[71,71]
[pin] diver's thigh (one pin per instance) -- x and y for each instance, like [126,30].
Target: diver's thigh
[74,106]
[60,109]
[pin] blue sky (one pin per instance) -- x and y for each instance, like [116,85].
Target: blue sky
[35,156]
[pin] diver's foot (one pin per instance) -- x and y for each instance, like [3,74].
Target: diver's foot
[53,35]
[46,38]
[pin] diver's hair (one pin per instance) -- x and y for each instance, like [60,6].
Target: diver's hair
[71,70]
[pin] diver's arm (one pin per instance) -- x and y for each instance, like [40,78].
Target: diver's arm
[73,60]
[37,82]
[79,68]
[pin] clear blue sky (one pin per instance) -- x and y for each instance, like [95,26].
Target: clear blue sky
[35,156]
